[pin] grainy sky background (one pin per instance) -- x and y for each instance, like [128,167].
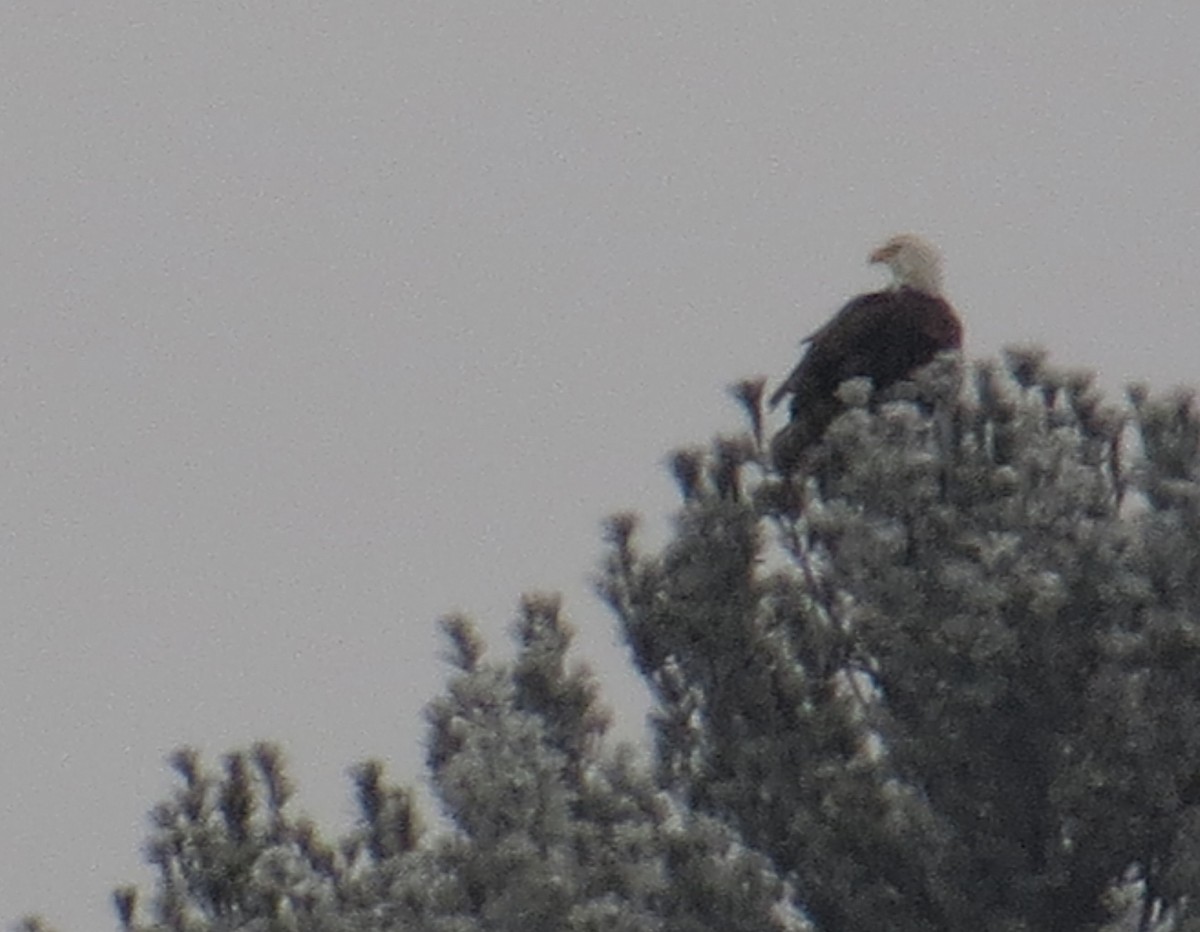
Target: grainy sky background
[320,320]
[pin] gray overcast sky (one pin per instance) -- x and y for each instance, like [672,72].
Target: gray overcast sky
[323,319]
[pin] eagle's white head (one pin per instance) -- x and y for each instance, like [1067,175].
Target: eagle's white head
[914,263]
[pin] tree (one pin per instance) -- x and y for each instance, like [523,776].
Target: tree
[948,677]
[549,830]
[943,678]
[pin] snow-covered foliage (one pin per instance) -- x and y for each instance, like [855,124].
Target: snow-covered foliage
[550,831]
[944,677]
[948,676]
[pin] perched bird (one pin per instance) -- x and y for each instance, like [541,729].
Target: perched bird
[883,336]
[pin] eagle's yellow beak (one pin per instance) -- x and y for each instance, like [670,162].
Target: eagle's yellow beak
[882,254]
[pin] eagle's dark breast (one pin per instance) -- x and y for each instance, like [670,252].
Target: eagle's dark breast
[883,336]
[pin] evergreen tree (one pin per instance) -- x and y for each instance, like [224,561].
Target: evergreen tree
[949,677]
[549,830]
[945,677]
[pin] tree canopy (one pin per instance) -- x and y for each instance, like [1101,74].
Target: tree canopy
[944,677]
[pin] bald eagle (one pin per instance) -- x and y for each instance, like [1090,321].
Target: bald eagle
[883,336]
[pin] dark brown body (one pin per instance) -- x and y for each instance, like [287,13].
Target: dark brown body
[883,336]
